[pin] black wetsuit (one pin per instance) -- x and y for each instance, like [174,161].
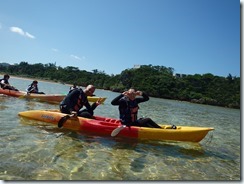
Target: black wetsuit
[128,110]
[74,101]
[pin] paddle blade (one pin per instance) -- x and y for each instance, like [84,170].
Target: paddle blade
[63,120]
[117,130]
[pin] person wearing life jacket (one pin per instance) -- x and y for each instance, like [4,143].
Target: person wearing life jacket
[128,108]
[76,99]
[5,84]
[33,88]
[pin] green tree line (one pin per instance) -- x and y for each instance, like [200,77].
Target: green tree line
[156,81]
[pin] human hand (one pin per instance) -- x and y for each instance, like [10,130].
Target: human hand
[99,101]
[125,93]
[139,93]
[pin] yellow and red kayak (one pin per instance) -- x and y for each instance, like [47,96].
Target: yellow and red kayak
[105,126]
[51,98]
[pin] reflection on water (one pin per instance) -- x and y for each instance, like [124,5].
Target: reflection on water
[33,150]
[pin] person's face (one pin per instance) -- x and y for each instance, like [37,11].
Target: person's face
[131,94]
[90,90]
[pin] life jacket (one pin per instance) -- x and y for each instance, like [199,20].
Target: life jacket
[5,81]
[32,88]
[80,101]
[129,114]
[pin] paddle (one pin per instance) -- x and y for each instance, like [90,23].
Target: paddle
[117,130]
[65,118]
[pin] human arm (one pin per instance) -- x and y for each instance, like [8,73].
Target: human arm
[144,97]
[4,83]
[97,103]
[30,89]
[116,101]
[89,107]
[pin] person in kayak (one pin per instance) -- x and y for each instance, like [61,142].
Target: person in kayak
[33,88]
[5,84]
[128,108]
[76,99]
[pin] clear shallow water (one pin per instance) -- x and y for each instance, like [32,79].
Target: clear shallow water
[32,150]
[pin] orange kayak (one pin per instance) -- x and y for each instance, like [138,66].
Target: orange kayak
[105,126]
[51,98]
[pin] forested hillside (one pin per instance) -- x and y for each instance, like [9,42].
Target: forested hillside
[156,81]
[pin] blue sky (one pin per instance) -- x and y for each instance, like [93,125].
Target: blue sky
[191,36]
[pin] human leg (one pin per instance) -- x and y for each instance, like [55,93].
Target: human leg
[84,113]
[148,122]
[64,109]
[10,88]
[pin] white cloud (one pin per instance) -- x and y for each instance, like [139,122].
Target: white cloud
[21,32]
[17,30]
[75,57]
[29,35]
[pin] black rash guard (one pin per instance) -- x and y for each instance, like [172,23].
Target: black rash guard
[128,109]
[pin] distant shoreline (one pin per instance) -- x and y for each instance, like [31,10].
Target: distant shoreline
[204,101]
[32,79]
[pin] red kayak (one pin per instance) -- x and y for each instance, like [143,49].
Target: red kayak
[51,98]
